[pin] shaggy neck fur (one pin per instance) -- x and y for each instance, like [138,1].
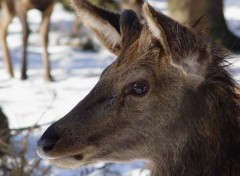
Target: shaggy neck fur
[210,117]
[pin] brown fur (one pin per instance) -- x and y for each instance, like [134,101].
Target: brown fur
[20,7]
[185,122]
[4,134]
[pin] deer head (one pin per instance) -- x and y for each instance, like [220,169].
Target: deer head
[140,107]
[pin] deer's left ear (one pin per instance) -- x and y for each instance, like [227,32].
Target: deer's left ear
[104,24]
[180,44]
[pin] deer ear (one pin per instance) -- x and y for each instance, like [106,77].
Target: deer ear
[156,26]
[103,23]
[179,43]
[174,37]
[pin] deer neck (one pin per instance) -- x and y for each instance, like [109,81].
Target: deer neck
[200,146]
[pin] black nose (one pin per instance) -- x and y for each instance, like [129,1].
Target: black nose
[48,139]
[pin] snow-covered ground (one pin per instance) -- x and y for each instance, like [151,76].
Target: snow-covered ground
[35,101]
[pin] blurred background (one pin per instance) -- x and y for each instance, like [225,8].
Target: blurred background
[28,107]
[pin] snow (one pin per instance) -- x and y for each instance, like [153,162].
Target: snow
[231,12]
[35,101]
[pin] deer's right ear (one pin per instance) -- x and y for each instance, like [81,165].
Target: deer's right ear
[156,26]
[181,46]
[103,23]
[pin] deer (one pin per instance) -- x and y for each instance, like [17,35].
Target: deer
[20,8]
[168,99]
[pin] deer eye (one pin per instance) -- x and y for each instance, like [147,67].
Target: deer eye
[139,88]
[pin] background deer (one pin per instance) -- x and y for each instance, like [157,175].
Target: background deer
[167,99]
[20,7]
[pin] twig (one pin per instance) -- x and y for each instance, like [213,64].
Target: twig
[4,147]
[36,126]
[34,166]
[46,171]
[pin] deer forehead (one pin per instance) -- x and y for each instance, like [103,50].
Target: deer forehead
[143,50]
[127,74]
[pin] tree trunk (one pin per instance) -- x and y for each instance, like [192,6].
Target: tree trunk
[189,11]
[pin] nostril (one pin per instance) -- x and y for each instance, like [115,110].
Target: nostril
[47,144]
[48,147]
[48,139]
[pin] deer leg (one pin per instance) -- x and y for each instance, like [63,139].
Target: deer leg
[25,33]
[7,16]
[76,26]
[44,33]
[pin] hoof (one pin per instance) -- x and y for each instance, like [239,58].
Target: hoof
[11,75]
[49,78]
[24,77]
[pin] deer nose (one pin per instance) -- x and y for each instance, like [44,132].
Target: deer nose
[48,139]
